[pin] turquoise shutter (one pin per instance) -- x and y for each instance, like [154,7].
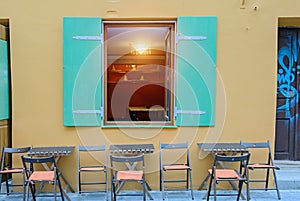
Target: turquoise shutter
[82,71]
[4,84]
[196,71]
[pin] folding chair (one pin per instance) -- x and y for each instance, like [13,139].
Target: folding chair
[92,161]
[7,170]
[120,174]
[175,159]
[265,165]
[229,174]
[31,176]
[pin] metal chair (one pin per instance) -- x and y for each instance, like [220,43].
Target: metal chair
[267,165]
[32,176]
[175,158]
[92,161]
[120,174]
[229,174]
[7,169]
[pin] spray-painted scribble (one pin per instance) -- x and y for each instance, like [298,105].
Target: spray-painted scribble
[287,72]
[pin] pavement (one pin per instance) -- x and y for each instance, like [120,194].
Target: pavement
[286,195]
[288,182]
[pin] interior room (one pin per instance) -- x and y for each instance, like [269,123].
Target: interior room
[138,71]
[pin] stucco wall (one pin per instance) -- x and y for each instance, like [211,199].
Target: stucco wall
[246,74]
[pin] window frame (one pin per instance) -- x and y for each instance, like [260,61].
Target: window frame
[138,23]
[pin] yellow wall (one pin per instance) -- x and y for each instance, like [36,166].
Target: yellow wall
[246,66]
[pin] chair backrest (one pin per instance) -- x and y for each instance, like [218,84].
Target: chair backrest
[7,153]
[260,146]
[119,162]
[174,152]
[96,152]
[49,159]
[241,160]
[28,163]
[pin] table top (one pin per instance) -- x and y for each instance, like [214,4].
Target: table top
[222,147]
[131,148]
[145,109]
[53,150]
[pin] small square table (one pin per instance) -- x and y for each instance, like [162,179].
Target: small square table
[131,148]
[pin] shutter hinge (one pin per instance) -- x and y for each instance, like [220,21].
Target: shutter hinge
[182,37]
[101,112]
[87,112]
[98,38]
[194,112]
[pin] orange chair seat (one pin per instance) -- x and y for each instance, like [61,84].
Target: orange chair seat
[257,165]
[42,175]
[225,174]
[7,171]
[99,168]
[130,175]
[176,167]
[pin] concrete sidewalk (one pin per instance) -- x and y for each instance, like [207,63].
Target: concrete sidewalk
[286,195]
[288,175]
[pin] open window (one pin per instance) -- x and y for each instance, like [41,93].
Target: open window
[139,73]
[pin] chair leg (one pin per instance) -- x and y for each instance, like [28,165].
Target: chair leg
[191,184]
[209,188]
[54,190]
[144,190]
[247,184]
[6,184]
[79,183]
[248,191]
[29,185]
[276,186]
[267,179]
[60,189]
[240,190]
[106,186]
[0,180]
[162,186]
[215,189]
[24,191]
[160,177]
[32,188]
[113,191]
[187,179]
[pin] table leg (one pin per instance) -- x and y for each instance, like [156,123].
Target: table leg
[206,185]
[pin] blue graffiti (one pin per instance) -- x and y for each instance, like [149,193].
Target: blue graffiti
[287,55]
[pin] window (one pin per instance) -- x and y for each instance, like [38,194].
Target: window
[108,82]
[138,73]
